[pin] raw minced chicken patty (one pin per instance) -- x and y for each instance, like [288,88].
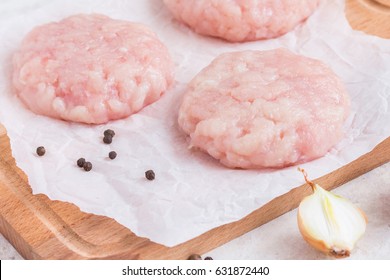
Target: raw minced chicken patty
[259,109]
[91,69]
[242,20]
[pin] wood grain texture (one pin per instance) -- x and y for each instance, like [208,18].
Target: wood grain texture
[40,228]
[370,16]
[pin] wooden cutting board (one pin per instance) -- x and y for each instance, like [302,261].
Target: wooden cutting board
[43,229]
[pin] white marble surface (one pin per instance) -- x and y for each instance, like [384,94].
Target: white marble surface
[7,252]
[280,238]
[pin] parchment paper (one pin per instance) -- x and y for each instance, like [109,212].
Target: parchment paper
[192,193]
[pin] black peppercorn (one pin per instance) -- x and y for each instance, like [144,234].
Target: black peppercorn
[107,139]
[109,132]
[150,175]
[87,166]
[208,258]
[195,257]
[41,151]
[80,162]
[112,155]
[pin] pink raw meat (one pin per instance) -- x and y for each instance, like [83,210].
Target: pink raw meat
[91,69]
[242,20]
[257,109]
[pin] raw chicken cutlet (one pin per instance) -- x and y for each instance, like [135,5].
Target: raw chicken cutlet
[242,20]
[91,69]
[264,109]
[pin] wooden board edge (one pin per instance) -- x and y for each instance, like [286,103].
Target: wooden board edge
[368,16]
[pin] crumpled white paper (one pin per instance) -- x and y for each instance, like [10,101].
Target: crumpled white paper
[192,193]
